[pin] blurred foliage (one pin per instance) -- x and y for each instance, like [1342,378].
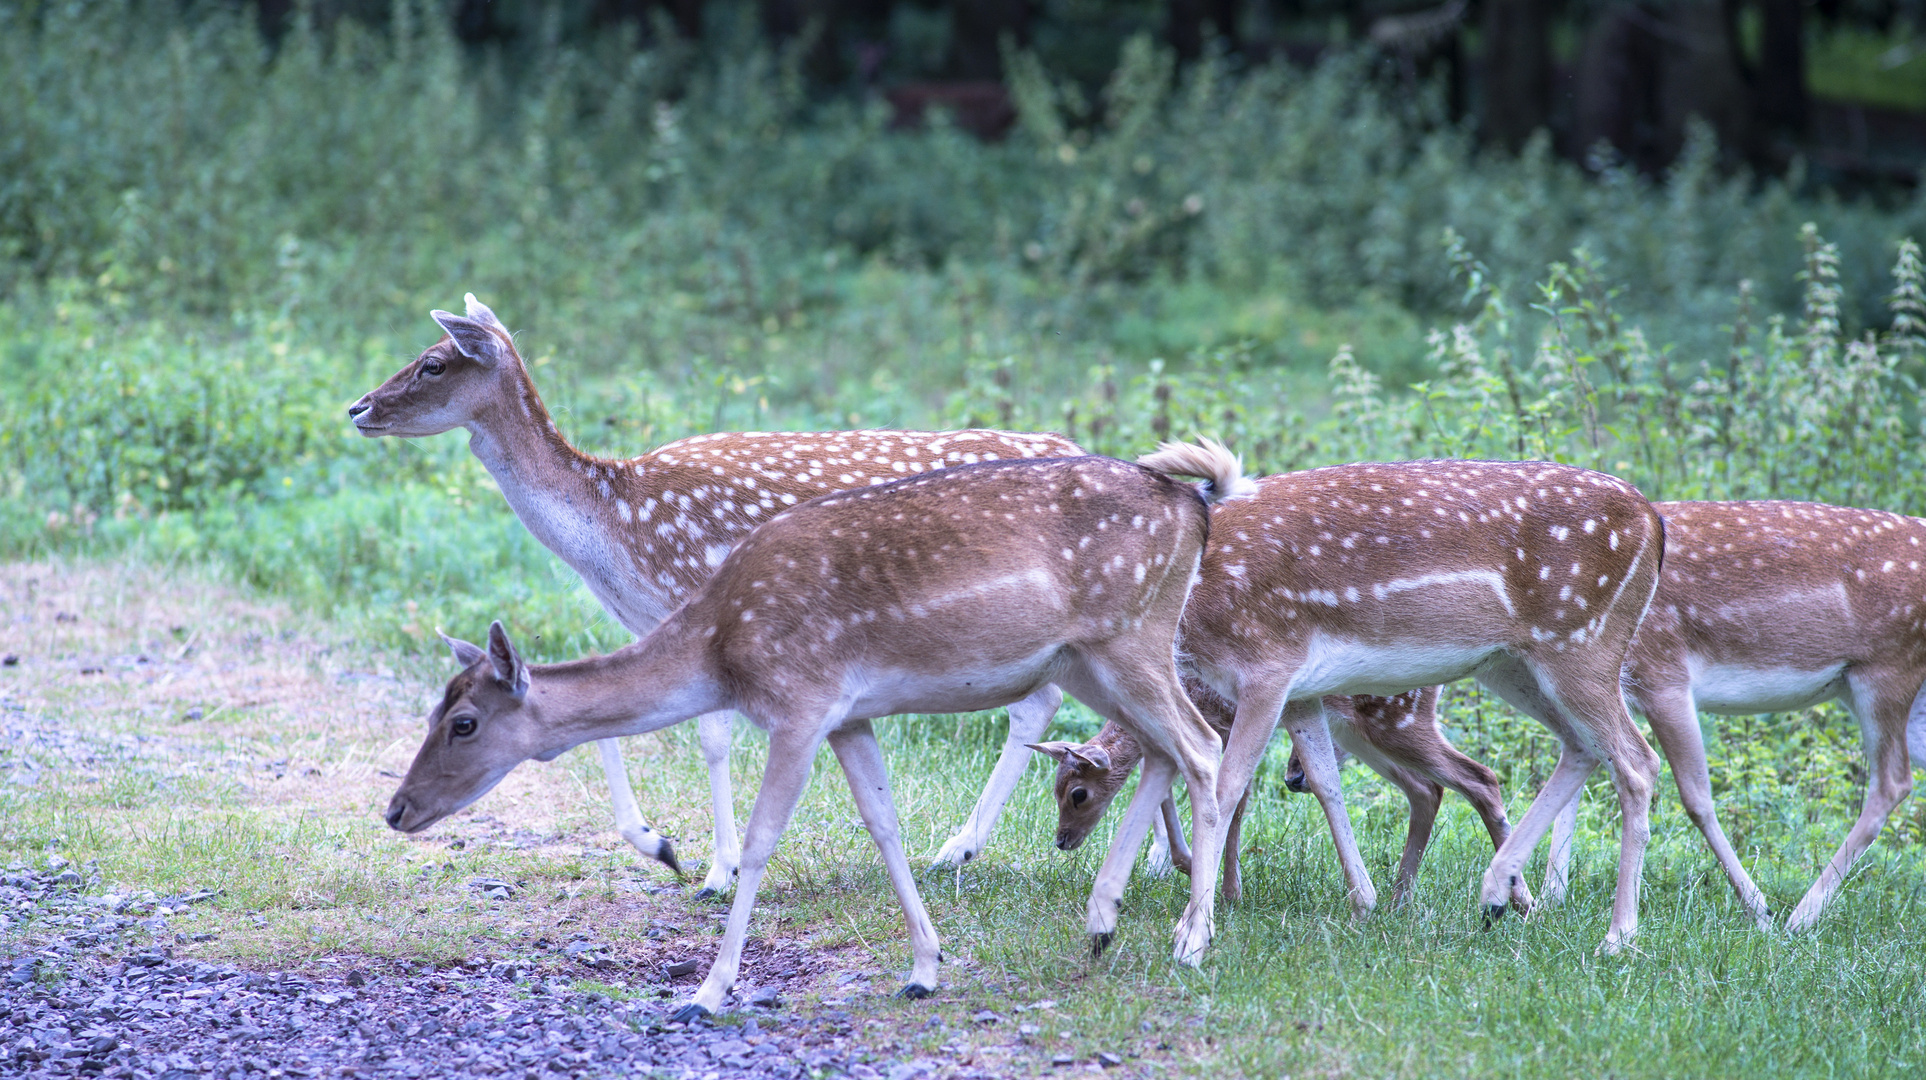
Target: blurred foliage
[208,248]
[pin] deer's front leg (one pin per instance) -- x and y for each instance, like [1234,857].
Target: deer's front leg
[862,761]
[628,816]
[1311,739]
[716,732]
[1029,719]
[792,751]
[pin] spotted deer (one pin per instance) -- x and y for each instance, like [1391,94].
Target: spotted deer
[1372,579]
[1771,607]
[644,532]
[1398,737]
[957,590]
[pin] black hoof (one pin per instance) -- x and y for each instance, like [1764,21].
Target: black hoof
[914,991]
[667,858]
[689,1014]
[1098,943]
[705,893]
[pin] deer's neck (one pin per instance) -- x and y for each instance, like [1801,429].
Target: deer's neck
[658,682]
[561,496]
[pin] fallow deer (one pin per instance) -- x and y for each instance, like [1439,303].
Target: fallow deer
[643,532]
[1771,607]
[1372,579]
[960,589]
[1398,737]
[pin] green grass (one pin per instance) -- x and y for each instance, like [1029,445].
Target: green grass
[1292,984]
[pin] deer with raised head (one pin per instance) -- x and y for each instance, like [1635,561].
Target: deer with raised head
[1772,607]
[1373,579]
[962,589]
[1398,737]
[644,532]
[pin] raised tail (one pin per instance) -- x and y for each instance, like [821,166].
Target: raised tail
[1207,459]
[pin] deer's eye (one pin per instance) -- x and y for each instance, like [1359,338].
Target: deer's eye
[1078,796]
[463,726]
[433,366]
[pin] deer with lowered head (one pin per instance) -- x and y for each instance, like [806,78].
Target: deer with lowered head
[961,589]
[1372,579]
[1772,607]
[644,532]
[1397,736]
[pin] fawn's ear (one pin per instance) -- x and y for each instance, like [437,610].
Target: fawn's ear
[465,653]
[1057,750]
[480,312]
[475,339]
[1094,757]
[509,669]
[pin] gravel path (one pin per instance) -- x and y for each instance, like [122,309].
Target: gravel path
[89,999]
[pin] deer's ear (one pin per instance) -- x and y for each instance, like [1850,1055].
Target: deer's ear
[465,653]
[480,312]
[509,669]
[1095,757]
[1057,750]
[475,340]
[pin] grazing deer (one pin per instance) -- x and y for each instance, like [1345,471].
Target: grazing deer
[1772,607]
[1372,579]
[957,590]
[1398,737]
[644,532]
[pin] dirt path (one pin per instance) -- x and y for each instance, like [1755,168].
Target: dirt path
[255,920]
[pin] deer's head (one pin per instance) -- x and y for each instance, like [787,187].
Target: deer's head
[482,729]
[1085,784]
[449,385]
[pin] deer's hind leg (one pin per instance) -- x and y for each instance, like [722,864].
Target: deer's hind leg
[1139,689]
[1881,704]
[628,815]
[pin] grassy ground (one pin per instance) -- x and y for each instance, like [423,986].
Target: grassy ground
[252,748]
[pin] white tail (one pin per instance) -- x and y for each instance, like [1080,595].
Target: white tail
[1207,459]
[958,590]
[644,532]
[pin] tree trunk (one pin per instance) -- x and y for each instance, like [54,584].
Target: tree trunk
[1517,70]
[1780,83]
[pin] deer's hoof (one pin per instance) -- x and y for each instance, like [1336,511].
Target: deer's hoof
[689,1014]
[1098,943]
[667,858]
[915,991]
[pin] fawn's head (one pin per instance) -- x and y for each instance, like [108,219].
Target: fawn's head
[450,384]
[1085,783]
[482,729]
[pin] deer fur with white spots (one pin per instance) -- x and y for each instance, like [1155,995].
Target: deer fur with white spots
[1372,579]
[961,589]
[644,532]
[1771,607]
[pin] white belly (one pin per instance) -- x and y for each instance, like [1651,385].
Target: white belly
[1336,665]
[1734,689]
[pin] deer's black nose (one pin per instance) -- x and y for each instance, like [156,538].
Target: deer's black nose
[1295,782]
[358,408]
[396,811]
